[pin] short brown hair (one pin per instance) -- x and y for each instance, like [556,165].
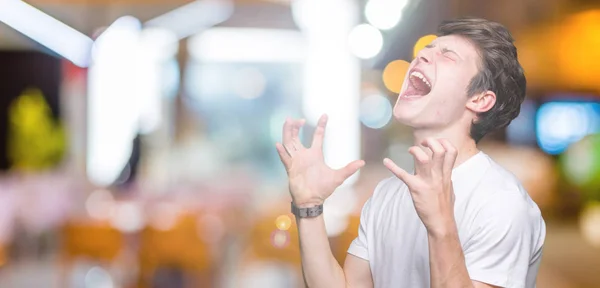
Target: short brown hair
[500,71]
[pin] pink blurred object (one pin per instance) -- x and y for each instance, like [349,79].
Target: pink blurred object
[43,200]
[8,210]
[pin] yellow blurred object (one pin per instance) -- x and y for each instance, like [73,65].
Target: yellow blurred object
[96,240]
[393,75]
[35,140]
[579,49]
[180,246]
[574,60]
[269,243]
[589,222]
[3,257]
[283,222]
[341,243]
[422,42]
[535,61]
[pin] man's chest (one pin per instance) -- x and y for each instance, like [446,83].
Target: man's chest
[400,255]
[401,239]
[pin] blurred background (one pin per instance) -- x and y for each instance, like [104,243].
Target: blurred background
[137,136]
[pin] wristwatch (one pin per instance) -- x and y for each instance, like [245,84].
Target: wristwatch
[307,212]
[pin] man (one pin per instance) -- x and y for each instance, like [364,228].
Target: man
[460,220]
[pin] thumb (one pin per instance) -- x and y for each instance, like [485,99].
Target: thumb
[399,172]
[349,170]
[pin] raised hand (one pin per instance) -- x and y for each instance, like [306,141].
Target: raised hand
[431,186]
[311,181]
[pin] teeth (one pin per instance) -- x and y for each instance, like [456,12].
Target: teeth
[420,76]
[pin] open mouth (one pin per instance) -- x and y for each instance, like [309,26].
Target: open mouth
[418,85]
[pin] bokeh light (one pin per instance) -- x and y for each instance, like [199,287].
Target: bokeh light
[588,222]
[375,111]
[561,123]
[422,42]
[283,222]
[384,14]
[581,165]
[98,277]
[128,217]
[521,130]
[100,204]
[393,75]
[164,216]
[578,50]
[280,239]
[365,41]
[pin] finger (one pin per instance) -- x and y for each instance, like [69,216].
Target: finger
[319,135]
[438,153]
[406,177]
[295,134]
[287,131]
[419,154]
[349,170]
[290,149]
[285,157]
[450,157]
[421,160]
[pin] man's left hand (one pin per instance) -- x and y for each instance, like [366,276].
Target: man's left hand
[431,186]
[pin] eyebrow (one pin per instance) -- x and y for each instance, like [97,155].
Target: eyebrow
[451,51]
[444,49]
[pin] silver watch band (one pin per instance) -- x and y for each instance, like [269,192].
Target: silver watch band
[307,212]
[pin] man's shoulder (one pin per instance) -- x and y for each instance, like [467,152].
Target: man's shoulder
[503,195]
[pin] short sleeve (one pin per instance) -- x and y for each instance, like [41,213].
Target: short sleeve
[501,249]
[359,247]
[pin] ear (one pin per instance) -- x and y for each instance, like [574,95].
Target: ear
[482,102]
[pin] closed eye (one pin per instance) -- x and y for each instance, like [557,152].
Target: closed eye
[447,51]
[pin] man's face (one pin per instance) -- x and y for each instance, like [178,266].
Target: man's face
[434,91]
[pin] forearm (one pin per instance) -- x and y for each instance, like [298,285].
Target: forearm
[446,259]
[319,266]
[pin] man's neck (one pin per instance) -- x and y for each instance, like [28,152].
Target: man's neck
[465,145]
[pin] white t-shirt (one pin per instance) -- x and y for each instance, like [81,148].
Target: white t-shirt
[500,228]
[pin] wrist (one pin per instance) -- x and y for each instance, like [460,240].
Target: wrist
[307,203]
[306,212]
[443,230]
[441,225]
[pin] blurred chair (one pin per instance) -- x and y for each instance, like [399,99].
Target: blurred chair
[178,248]
[96,241]
[341,243]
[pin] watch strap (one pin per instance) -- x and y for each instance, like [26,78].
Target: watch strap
[309,212]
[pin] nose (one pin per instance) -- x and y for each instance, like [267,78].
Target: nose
[424,55]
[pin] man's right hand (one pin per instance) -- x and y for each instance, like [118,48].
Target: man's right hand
[311,181]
